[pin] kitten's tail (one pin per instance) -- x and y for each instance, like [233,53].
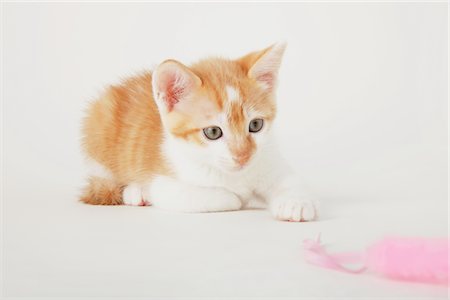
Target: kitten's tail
[102,191]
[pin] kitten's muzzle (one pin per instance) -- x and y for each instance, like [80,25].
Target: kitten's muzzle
[242,159]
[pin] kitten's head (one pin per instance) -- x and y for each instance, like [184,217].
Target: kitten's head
[220,111]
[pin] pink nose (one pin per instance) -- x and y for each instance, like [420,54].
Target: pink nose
[241,159]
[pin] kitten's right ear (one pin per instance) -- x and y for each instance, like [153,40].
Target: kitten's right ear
[172,82]
[263,66]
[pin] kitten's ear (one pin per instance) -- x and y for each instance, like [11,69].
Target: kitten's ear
[263,65]
[172,82]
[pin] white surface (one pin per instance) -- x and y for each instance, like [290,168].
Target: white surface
[363,117]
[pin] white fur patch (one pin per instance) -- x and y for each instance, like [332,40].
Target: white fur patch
[172,194]
[232,93]
[132,194]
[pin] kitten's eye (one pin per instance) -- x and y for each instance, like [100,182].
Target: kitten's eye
[213,132]
[256,125]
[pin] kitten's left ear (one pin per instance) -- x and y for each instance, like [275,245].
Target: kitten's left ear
[263,65]
[172,83]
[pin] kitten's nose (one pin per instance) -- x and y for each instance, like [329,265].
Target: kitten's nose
[241,159]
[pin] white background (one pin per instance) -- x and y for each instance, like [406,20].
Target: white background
[362,117]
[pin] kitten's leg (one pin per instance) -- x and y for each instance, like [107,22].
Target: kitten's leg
[133,195]
[171,194]
[288,201]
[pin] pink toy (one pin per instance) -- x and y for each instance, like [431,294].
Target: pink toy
[419,260]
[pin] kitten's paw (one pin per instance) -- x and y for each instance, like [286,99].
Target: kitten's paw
[132,195]
[216,200]
[293,209]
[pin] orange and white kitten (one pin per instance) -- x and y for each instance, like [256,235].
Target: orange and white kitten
[193,139]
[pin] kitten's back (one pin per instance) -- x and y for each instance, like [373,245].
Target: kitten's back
[123,132]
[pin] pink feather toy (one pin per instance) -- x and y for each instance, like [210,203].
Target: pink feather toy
[410,259]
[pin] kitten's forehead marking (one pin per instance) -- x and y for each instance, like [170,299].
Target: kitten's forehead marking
[232,93]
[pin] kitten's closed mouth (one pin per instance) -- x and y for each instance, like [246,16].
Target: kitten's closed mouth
[239,168]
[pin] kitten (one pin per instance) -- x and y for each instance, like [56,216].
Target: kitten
[193,139]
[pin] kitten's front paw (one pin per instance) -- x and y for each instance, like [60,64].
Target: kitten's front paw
[222,200]
[293,209]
